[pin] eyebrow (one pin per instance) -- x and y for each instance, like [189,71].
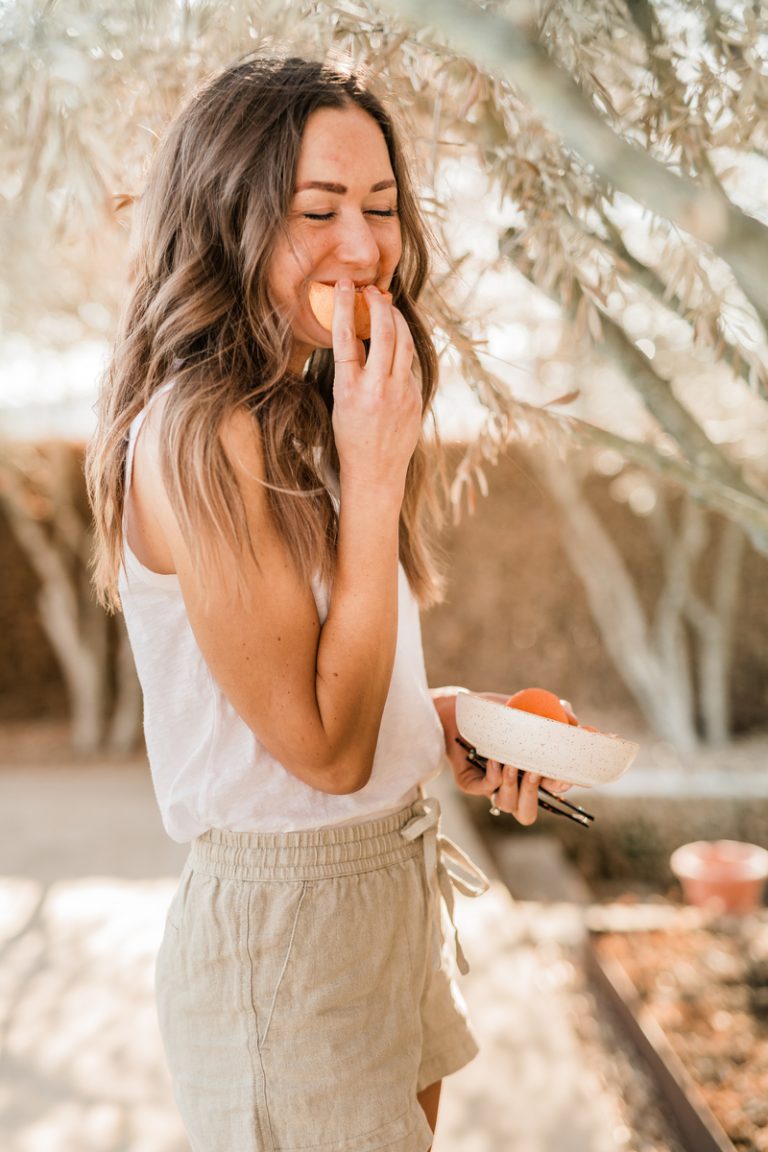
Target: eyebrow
[341,189]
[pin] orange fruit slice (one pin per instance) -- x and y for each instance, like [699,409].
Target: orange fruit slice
[321,298]
[540,701]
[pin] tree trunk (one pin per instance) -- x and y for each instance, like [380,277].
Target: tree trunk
[82,666]
[81,656]
[713,627]
[652,677]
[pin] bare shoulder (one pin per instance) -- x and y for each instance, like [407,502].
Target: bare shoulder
[238,433]
[146,458]
[154,531]
[241,440]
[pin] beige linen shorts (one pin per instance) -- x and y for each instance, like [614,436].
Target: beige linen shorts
[301,998]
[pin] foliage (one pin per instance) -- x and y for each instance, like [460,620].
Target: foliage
[87,88]
[595,174]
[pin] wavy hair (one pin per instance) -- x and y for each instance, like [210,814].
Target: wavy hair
[199,313]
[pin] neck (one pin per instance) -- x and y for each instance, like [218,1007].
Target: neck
[300,353]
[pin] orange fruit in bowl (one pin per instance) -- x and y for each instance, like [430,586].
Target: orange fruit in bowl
[545,703]
[540,701]
[321,297]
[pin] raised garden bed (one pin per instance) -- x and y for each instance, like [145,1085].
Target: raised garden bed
[692,991]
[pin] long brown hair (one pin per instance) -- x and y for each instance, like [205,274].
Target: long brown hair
[199,313]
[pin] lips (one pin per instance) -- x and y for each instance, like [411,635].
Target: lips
[359,284]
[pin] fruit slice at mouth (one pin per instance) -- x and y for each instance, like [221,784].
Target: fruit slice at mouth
[321,298]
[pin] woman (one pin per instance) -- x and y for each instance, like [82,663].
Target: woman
[261,491]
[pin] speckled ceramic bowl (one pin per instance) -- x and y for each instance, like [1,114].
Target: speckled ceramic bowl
[539,744]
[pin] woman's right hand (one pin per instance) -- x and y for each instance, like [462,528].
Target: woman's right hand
[377,408]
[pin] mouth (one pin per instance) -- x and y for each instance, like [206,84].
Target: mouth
[359,284]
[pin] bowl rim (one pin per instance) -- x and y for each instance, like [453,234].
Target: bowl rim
[606,756]
[534,717]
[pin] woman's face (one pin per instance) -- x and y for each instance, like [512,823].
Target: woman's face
[342,221]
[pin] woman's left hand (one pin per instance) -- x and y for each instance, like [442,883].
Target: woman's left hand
[514,791]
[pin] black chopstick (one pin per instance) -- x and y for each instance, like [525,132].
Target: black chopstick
[570,811]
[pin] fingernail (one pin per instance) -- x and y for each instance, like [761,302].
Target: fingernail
[534,780]
[345,285]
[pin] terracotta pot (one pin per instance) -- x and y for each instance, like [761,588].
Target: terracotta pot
[728,873]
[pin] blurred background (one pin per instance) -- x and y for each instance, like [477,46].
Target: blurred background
[595,175]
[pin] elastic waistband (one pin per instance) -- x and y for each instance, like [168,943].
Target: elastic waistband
[312,855]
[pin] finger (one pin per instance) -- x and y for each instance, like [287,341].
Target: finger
[493,777]
[345,343]
[383,333]
[559,787]
[528,798]
[568,709]
[507,795]
[470,779]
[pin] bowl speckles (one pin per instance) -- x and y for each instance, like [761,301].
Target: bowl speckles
[538,744]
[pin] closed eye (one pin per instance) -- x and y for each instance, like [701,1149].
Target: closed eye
[385,213]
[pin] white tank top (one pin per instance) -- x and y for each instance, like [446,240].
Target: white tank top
[209,769]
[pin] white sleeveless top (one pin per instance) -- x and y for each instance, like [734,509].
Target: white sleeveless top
[209,769]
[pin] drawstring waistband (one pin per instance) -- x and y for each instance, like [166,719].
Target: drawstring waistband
[347,850]
[446,867]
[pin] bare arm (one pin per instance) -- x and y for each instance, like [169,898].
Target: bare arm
[315,695]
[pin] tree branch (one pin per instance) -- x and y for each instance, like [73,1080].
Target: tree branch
[664,406]
[748,511]
[644,277]
[646,20]
[507,47]
[638,370]
[507,414]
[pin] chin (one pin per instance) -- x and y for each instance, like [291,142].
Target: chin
[310,335]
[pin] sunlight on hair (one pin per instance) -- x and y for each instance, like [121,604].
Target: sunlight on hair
[343,62]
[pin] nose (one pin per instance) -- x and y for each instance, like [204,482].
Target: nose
[357,244]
